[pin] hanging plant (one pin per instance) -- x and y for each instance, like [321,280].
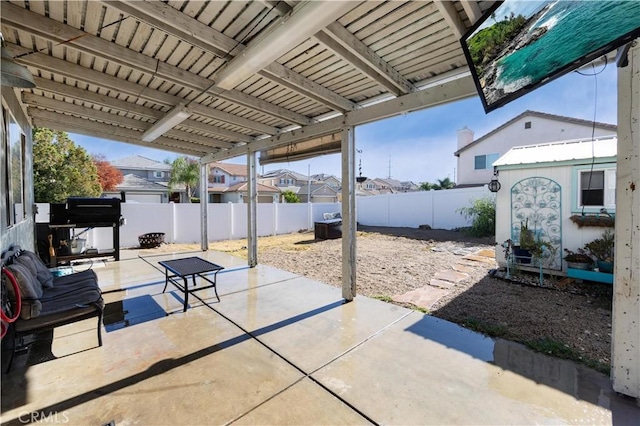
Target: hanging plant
[593,220]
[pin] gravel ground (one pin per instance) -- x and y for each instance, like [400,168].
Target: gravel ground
[392,261]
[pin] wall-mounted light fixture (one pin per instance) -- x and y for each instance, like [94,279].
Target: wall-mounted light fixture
[174,117]
[494,185]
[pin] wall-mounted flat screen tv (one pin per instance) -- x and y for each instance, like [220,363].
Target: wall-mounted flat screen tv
[517,46]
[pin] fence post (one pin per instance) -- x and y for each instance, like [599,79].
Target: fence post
[174,225]
[231,219]
[275,218]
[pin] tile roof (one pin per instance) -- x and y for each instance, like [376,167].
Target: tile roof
[231,169]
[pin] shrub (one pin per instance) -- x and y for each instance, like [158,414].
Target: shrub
[482,214]
[290,196]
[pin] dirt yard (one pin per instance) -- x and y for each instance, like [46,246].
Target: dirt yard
[572,323]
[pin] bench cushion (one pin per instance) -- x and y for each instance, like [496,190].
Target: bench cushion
[45,277]
[30,291]
[72,297]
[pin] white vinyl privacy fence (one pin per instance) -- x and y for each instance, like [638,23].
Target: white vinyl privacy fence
[437,209]
[181,222]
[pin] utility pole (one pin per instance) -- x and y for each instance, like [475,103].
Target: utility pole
[389,177]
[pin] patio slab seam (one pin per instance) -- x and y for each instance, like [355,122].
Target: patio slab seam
[307,375]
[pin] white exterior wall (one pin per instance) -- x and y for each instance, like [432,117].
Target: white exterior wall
[572,236]
[228,179]
[542,130]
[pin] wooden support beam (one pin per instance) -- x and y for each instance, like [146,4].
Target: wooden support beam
[122,121]
[252,211]
[204,208]
[625,332]
[294,81]
[192,31]
[115,131]
[128,107]
[282,35]
[437,94]
[450,15]
[87,129]
[77,72]
[342,42]
[213,41]
[48,29]
[348,214]
[472,10]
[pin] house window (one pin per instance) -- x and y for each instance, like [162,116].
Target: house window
[527,124]
[594,189]
[157,174]
[14,145]
[483,162]
[218,179]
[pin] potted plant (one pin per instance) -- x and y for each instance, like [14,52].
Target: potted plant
[523,253]
[578,260]
[602,250]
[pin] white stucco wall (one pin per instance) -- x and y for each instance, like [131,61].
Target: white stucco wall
[542,130]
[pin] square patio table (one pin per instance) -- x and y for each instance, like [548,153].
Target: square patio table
[190,266]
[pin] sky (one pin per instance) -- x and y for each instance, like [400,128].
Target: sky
[419,146]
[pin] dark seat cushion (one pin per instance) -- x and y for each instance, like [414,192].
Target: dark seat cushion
[72,297]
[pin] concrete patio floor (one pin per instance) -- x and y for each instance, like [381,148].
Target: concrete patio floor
[283,349]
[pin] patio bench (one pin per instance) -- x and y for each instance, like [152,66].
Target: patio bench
[47,302]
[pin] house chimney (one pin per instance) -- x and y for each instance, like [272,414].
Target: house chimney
[465,137]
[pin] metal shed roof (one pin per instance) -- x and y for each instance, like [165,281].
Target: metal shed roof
[254,74]
[577,149]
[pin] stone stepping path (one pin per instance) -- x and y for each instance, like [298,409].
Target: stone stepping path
[451,276]
[443,281]
[423,297]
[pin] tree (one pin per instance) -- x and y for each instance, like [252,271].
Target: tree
[108,176]
[426,186]
[185,171]
[61,169]
[290,196]
[445,183]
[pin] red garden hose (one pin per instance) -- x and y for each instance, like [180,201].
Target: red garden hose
[18,305]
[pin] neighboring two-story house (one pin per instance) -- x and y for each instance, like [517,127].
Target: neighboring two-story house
[228,184]
[283,178]
[145,181]
[330,180]
[320,193]
[476,157]
[223,176]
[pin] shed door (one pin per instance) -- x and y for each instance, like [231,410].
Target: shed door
[536,201]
